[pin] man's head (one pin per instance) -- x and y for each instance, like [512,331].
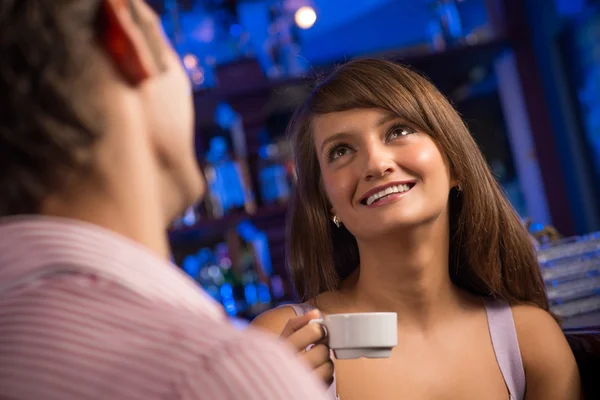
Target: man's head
[94,105]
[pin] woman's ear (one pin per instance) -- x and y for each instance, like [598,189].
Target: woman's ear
[455,182]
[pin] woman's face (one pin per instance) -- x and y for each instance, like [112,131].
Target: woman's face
[380,174]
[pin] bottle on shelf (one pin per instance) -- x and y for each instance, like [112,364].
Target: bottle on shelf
[237,272]
[196,266]
[283,44]
[446,26]
[272,176]
[226,170]
[258,285]
[228,186]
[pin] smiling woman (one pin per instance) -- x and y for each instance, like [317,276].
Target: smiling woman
[395,209]
[381,160]
[346,113]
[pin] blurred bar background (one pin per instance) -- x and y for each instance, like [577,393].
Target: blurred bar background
[524,74]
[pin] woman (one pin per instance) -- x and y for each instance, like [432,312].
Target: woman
[395,209]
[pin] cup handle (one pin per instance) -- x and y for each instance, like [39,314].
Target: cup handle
[321,322]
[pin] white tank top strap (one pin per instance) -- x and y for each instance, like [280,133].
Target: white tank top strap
[300,309]
[506,346]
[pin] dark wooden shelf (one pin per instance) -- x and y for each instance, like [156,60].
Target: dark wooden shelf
[247,84]
[210,227]
[463,53]
[251,88]
[452,59]
[450,67]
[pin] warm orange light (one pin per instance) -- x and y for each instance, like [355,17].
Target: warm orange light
[305,17]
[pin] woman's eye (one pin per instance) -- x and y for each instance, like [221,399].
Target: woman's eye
[337,152]
[399,131]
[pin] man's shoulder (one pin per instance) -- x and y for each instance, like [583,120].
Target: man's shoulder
[92,306]
[94,328]
[101,309]
[252,365]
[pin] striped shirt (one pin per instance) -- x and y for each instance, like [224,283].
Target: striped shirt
[88,314]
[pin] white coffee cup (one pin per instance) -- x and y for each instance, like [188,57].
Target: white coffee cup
[369,335]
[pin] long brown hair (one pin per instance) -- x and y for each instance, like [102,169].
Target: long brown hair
[491,253]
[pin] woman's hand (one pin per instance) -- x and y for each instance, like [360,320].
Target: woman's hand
[300,335]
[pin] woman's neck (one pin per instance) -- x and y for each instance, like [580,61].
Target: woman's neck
[407,273]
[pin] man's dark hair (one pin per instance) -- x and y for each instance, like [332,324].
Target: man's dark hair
[48,119]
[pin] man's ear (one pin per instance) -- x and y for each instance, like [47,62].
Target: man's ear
[128,39]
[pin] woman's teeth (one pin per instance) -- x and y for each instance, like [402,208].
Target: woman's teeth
[386,192]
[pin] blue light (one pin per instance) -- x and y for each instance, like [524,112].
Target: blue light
[191,266]
[536,227]
[230,307]
[235,30]
[189,218]
[251,294]
[264,296]
[226,291]
[570,7]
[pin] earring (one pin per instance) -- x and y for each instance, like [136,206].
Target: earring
[336,221]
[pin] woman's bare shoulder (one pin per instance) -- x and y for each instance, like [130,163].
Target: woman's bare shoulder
[550,367]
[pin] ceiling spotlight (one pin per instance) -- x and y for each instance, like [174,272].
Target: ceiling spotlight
[305,17]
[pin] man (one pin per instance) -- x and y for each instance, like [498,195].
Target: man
[96,158]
